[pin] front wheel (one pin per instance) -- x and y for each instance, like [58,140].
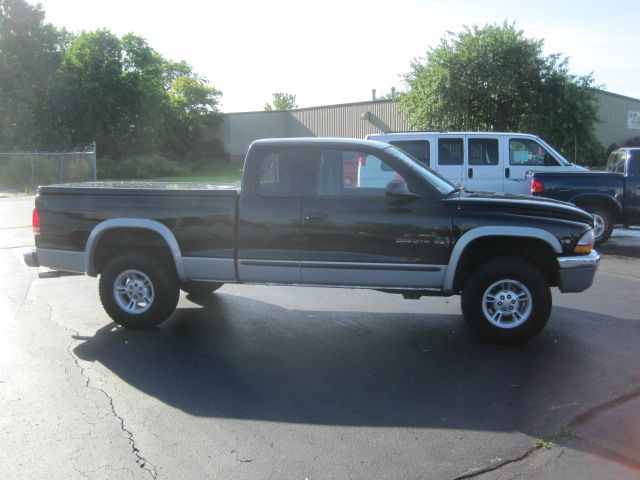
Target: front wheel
[138,291]
[507,299]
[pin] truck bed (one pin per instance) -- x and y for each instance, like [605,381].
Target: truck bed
[201,216]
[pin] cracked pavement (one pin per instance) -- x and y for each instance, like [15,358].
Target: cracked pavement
[273,382]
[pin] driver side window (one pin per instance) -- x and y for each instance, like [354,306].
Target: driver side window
[523,151]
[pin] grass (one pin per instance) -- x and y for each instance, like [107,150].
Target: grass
[226,173]
[542,443]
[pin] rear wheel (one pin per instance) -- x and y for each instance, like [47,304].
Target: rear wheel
[507,299]
[138,291]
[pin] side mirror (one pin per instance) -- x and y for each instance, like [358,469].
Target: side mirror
[399,188]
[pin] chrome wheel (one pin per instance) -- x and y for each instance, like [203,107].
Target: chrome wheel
[507,303]
[600,225]
[133,291]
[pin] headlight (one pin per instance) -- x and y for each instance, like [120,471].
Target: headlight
[585,244]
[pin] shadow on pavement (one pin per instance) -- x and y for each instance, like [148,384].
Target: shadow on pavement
[245,359]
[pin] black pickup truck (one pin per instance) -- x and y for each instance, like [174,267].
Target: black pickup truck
[612,197]
[305,216]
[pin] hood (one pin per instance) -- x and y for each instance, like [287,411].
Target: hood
[525,204]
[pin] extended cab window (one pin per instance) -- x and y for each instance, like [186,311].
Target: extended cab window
[523,151]
[450,151]
[351,173]
[280,173]
[483,151]
[616,162]
[418,149]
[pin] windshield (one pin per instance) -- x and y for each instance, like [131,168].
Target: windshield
[440,183]
[558,156]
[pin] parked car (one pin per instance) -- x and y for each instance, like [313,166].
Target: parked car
[492,162]
[612,197]
[301,219]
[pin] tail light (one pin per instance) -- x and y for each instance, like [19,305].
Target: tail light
[35,222]
[536,186]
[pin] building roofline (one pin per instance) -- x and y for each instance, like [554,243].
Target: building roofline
[374,102]
[335,105]
[611,94]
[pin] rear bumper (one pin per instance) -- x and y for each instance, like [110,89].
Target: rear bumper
[576,274]
[67,261]
[31,259]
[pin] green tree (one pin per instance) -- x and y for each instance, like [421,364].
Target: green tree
[494,78]
[194,115]
[281,101]
[95,98]
[132,101]
[30,55]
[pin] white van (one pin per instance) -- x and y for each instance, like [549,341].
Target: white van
[493,162]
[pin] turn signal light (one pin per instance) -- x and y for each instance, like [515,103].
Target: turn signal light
[583,248]
[585,244]
[35,222]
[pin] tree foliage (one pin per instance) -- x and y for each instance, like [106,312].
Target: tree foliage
[281,101]
[59,88]
[29,57]
[494,78]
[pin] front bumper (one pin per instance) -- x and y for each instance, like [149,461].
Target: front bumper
[31,259]
[576,274]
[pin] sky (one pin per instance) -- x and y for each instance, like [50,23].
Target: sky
[332,52]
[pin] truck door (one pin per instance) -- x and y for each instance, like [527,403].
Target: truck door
[269,223]
[484,169]
[357,235]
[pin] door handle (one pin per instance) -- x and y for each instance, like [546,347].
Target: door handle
[507,173]
[470,172]
[316,217]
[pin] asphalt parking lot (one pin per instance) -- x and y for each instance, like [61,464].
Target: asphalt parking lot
[261,382]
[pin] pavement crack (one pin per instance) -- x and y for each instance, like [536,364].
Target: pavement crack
[598,409]
[140,459]
[493,468]
[241,460]
[568,432]
[606,452]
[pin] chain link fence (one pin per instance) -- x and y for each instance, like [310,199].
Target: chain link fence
[46,165]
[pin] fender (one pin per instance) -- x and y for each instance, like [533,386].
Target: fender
[598,198]
[493,231]
[138,223]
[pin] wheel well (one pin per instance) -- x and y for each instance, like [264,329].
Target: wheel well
[120,240]
[537,252]
[608,205]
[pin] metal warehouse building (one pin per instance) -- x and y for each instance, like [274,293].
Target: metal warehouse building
[620,121]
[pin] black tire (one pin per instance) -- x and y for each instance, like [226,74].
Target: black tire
[152,279]
[200,289]
[603,223]
[518,288]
